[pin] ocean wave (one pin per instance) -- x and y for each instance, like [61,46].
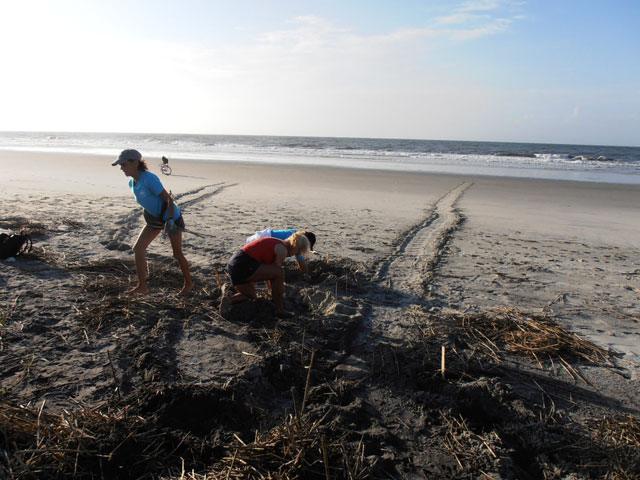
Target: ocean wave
[586,158]
[512,159]
[516,154]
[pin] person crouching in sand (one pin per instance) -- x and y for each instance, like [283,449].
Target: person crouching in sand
[261,260]
[159,212]
[303,264]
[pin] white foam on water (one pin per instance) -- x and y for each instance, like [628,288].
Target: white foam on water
[470,158]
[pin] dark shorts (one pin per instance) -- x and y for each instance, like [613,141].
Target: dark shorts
[155,222]
[241,266]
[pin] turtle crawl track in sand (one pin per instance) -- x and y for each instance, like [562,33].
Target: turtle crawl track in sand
[411,266]
[400,280]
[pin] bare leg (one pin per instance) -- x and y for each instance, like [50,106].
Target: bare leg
[147,235]
[271,273]
[244,292]
[176,245]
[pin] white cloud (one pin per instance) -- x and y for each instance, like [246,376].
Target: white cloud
[493,27]
[457,18]
[464,23]
[312,77]
[482,5]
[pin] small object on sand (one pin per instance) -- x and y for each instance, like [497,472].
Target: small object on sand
[225,306]
[442,361]
[306,387]
[218,277]
[225,301]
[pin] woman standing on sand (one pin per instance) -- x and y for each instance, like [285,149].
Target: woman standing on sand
[159,212]
[261,260]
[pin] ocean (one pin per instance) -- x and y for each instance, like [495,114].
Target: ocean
[587,163]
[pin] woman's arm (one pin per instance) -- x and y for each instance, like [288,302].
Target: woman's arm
[303,265]
[167,198]
[281,254]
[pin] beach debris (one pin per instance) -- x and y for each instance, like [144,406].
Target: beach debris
[71,223]
[620,435]
[508,329]
[37,228]
[297,448]
[37,444]
[25,225]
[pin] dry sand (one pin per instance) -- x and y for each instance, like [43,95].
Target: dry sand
[405,263]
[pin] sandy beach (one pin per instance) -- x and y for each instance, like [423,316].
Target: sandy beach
[405,264]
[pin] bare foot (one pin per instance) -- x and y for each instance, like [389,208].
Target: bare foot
[139,290]
[225,306]
[185,290]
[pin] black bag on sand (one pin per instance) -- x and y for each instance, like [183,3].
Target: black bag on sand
[12,245]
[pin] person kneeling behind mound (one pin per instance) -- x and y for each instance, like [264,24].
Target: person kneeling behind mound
[261,260]
[303,264]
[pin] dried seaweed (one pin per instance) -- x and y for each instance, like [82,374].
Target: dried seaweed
[618,439]
[510,330]
[297,448]
[24,225]
[37,444]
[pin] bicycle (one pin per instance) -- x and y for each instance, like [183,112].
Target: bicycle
[164,166]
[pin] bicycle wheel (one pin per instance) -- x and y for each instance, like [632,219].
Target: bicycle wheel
[166,169]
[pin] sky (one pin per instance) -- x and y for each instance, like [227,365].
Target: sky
[545,71]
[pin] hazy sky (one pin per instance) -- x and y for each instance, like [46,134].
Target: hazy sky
[556,71]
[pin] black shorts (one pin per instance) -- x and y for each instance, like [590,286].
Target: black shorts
[155,222]
[241,266]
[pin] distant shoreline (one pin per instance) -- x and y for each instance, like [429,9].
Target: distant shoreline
[257,135]
[283,161]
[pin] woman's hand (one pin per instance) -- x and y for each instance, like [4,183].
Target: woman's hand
[170,227]
[164,195]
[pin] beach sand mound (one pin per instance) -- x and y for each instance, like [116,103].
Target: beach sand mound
[155,387]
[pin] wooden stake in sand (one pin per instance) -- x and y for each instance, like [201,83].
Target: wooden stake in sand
[113,372]
[442,361]
[306,387]
[325,456]
[295,403]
